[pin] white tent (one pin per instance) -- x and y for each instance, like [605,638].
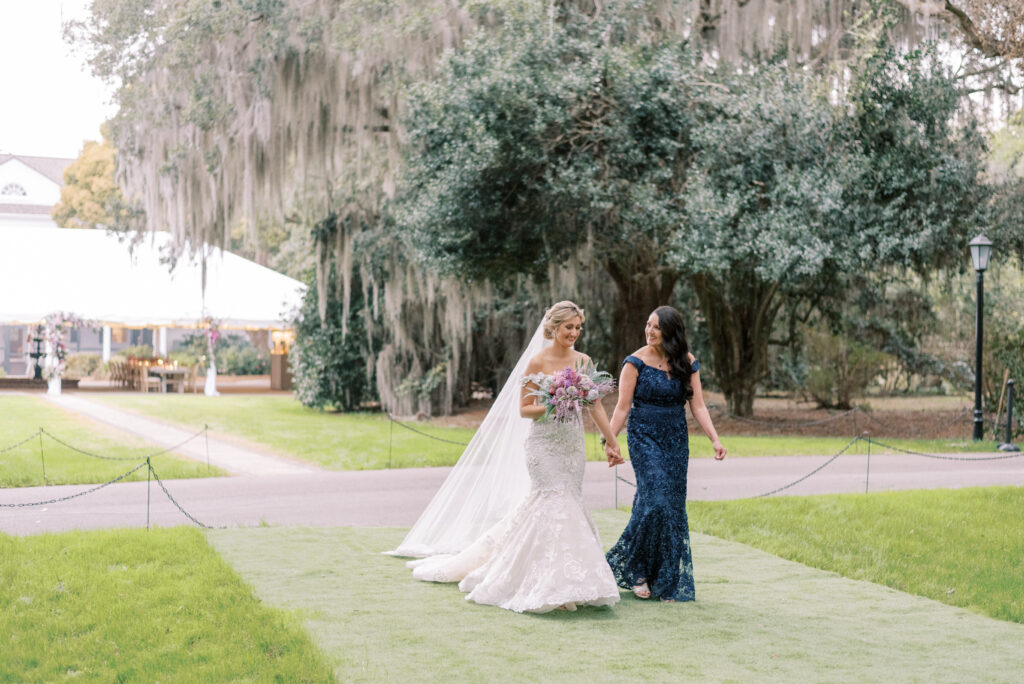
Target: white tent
[93,275]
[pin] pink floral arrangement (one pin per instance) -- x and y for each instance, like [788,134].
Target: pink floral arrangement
[567,392]
[53,328]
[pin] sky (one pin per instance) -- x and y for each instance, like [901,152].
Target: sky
[50,103]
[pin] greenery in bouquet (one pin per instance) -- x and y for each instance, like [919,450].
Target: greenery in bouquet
[567,392]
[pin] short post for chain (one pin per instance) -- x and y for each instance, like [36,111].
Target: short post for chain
[616,487]
[41,458]
[1008,444]
[867,472]
[149,480]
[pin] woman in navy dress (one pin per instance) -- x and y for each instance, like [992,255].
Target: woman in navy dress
[652,557]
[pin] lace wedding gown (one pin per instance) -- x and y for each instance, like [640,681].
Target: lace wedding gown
[547,552]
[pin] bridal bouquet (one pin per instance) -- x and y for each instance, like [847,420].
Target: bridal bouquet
[565,394]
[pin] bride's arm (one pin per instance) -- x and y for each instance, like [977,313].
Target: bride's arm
[601,420]
[528,406]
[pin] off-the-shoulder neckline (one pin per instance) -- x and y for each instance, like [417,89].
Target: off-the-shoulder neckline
[634,356]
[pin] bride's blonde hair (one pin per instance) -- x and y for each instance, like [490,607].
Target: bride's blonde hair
[558,314]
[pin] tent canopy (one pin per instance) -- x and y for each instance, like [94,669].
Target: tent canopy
[94,275]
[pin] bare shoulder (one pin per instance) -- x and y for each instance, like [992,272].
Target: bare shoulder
[643,353]
[582,359]
[535,364]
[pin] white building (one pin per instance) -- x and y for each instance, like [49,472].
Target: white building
[29,189]
[131,295]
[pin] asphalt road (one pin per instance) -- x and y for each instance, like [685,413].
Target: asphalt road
[268,489]
[396,497]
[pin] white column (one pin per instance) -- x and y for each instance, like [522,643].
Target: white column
[106,343]
[53,384]
[162,340]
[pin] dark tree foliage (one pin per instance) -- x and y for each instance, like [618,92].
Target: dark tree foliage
[330,369]
[534,146]
[752,188]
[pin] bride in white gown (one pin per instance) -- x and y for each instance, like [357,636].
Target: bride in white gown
[545,552]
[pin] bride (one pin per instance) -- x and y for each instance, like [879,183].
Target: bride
[514,537]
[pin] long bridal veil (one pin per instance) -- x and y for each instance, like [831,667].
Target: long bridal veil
[489,480]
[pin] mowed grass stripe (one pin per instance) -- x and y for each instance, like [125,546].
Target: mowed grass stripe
[756,618]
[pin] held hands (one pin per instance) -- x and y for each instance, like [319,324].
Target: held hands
[612,453]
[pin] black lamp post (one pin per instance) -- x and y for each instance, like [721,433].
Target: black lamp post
[981,249]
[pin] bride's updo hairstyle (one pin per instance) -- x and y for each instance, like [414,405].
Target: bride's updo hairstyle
[673,340]
[558,314]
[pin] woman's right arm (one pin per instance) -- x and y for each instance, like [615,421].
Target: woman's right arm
[627,385]
[528,406]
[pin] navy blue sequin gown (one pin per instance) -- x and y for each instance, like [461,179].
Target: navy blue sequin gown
[655,546]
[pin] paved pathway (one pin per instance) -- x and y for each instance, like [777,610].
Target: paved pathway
[277,491]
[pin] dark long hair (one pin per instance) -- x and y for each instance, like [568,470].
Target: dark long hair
[673,339]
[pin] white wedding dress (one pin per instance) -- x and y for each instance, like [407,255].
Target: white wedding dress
[546,553]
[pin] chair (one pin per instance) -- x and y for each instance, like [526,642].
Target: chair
[121,373]
[176,382]
[148,382]
[191,379]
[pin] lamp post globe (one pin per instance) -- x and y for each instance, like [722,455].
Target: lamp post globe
[981,250]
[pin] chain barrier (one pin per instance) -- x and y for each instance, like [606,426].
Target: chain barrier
[74,496]
[869,441]
[813,472]
[173,500]
[784,487]
[145,463]
[420,432]
[161,452]
[18,444]
[942,457]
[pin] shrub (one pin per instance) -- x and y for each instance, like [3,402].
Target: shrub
[82,365]
[141,351]
[240,357]
[1005,352]
[187,358]
[235,354]
[329,369]
[839,369]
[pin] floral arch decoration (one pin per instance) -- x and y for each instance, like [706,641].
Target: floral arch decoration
[54,326]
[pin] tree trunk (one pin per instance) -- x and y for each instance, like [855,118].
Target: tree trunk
[739,316]
[641,291]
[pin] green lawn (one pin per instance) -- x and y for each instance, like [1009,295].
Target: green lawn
[757,618]
[360,441]
[963,547]
[23,466]
[137,606]
[340,441]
